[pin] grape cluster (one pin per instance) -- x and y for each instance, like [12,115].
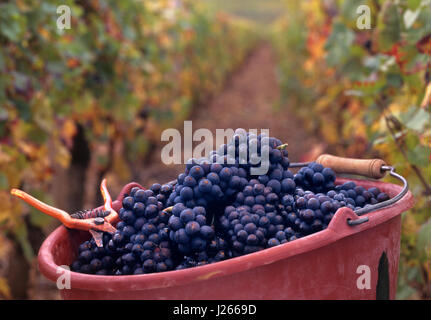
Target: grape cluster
[217,250]
[241,227]
[189,229]
[219,209]
[260,213]
[205,184]
[140,244]
[315,177]
[93,259]
[194,238]
[356,196]
[247,150]
[217,179]
[313,212]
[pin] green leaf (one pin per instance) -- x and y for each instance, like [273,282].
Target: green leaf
[12,22]
[419,156]
[339,44]
[418,120]
[413,274]
[23,109]
[4,184]
[388,26]
[413,4]
[394,80]
[39,219]
[413,80]
[405,292]
[22,236]
[411,140]
[424,237]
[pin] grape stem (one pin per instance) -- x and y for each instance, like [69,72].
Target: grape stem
[168,209]
[282,147]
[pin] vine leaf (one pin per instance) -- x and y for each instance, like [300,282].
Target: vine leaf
[424,238]
[418,119]
[388,26]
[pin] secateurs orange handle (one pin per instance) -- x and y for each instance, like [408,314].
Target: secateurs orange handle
[94,221]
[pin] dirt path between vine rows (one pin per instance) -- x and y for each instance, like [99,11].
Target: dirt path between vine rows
[249,100]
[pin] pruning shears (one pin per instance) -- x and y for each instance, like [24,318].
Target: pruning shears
[95,221]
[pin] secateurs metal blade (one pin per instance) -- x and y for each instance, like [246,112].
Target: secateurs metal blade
[95,221]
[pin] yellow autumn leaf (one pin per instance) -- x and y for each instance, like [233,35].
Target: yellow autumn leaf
[4,288]
[4,157]
[44,33]
[62,155]
[27,148]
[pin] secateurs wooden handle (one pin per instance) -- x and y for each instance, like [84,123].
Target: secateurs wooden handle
[94,221]
[371,168]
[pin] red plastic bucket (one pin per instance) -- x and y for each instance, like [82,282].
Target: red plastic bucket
[326,265]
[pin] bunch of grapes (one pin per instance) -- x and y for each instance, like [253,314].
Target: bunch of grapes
[220,208]
[217,250]
[93,259]
[189,229]
[261,211]
[206,184]
[358,197]
[215,181]
[315,177]
[140,244]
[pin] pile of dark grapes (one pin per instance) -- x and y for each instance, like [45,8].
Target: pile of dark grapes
[219,209]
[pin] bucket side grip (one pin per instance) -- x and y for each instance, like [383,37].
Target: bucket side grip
[344,219]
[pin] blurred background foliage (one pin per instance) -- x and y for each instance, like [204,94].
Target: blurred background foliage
[261,13]
[374,99]
[79,104]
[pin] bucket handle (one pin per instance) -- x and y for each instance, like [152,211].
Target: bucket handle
[371,168]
